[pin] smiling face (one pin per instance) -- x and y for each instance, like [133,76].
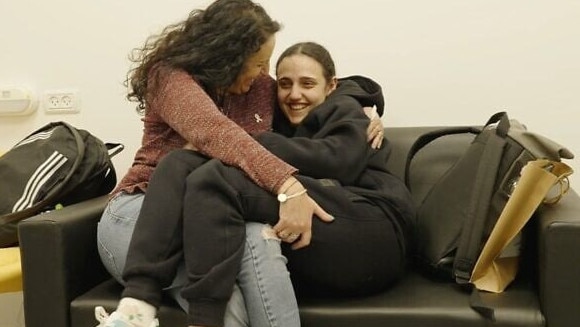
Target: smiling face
[258,63]
[302,86]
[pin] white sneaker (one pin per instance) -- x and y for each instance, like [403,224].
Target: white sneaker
[116,319]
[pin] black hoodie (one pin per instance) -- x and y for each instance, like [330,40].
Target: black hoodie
[331,143]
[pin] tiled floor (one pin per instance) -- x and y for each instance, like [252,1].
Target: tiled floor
[11,310]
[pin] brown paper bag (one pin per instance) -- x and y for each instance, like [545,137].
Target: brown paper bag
[497,265]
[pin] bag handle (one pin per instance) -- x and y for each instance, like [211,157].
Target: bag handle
[114,148]
[563,183]
[503,123]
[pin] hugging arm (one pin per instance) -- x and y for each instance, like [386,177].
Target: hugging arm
[208,130]
[333,151]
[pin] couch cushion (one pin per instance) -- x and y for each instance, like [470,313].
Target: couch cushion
[415,301]
[418,301]
[10,270]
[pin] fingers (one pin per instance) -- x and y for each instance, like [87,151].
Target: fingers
[290,233]
[288,237]
[295,220]
[374,128]
[303,241]
[292,237]
[322,215]
[375,133]
[284,228]
[378,140]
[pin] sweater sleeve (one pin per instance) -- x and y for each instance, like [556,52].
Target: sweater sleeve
[185,107]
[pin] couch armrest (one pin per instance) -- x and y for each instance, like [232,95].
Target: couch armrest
[558,259]
[59,260]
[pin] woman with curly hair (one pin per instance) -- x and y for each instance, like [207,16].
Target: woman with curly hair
[203,84]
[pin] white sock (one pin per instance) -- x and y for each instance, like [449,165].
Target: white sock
[139,312]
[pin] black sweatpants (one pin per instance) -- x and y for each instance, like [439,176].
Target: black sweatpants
[204,220]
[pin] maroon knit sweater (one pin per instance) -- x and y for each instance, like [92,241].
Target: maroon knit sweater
[181,112]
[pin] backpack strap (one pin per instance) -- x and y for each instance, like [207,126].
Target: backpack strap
[111,177]
[477,209]
[479,305]
[80,150]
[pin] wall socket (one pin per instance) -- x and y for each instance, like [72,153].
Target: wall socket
[62,101]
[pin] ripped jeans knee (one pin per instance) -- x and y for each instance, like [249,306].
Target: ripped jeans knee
[265,281]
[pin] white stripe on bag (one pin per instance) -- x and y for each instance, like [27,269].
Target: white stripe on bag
[41,175]
[35,137]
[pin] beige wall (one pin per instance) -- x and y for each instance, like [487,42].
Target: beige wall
[440,62]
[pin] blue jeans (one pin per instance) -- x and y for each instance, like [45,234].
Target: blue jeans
[263,297]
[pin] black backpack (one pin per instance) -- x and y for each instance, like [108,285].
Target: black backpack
[456,215]
[55,166]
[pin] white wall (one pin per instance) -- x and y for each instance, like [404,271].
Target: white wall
[440,62]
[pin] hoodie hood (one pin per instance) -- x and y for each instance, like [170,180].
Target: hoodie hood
[366,91]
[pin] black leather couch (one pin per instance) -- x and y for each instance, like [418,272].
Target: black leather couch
[64,279]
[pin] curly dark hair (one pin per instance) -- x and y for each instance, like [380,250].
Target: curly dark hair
[211,44]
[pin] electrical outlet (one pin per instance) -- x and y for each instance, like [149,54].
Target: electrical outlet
[61,101]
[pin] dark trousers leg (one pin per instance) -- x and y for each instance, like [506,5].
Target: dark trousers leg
[358,254]
[219,199]
[156,246]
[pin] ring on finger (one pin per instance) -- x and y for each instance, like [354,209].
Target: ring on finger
[293,236]
[284,235]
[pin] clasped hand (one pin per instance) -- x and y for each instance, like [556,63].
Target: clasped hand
[295,218]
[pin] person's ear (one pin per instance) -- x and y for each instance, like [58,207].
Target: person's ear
[332,85]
